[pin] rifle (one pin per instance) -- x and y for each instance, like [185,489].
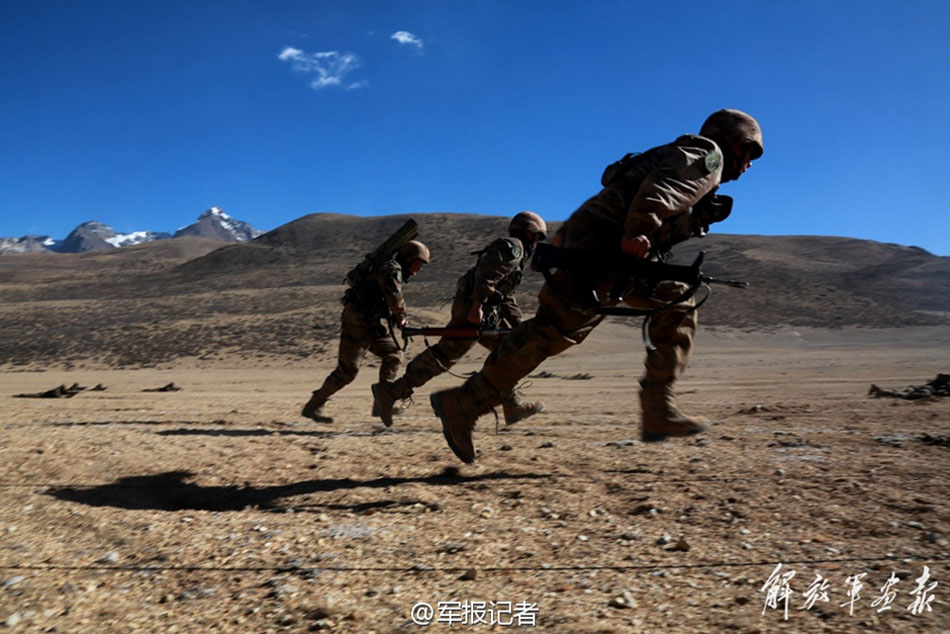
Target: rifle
[547,257]
[626,267]
[457,332]
[388,249]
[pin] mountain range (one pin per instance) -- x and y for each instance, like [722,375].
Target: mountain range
[276,299]
[213,224]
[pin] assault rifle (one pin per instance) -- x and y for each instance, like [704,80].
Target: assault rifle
[626,268]
[388,249]
[457,332]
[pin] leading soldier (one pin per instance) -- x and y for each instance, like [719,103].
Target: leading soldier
[653,201]
[366,307]
[484,297]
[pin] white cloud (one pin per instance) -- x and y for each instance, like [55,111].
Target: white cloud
[405,37]
[329,68]
[290,53]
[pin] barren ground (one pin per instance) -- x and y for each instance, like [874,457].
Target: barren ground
[217,509]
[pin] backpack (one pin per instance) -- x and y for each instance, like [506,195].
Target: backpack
[618,168]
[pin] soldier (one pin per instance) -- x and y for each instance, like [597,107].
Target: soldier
[652,202]
[365,307]
[484,297]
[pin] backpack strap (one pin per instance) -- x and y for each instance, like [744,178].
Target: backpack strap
[618,168]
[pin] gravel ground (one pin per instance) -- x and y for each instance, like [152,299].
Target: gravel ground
[217,509]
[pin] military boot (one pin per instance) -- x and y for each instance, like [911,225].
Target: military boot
[517,410]
[459,408]
[314,408]
[458,421]
[385,396]
[661,417]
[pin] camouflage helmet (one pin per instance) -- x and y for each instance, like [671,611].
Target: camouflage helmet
[734,126]
[530,222]
[414,250]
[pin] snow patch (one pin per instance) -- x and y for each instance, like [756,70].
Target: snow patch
[128,239]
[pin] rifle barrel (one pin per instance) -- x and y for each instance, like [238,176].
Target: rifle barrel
[548,256]
[472,332]
[732,283]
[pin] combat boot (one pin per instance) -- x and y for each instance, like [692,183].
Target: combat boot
[661,417]
[397,411]
[517,410]
[385,396]
[458,421]
[314,408]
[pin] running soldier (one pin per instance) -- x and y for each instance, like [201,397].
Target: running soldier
[484,297]
[649,202]
[366,307]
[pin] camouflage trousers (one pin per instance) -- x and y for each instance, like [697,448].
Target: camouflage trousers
[360,333]
[443,355]
[440,357]
[566,316]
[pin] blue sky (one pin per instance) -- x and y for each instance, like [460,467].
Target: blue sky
[144,114]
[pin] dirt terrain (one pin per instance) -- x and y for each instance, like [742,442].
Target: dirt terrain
[216,508]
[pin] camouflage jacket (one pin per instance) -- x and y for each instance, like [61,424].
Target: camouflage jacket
[495,276]
[655,196]
[380,294]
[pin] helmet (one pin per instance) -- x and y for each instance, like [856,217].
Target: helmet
[413,250]
[734,126]
[528,221]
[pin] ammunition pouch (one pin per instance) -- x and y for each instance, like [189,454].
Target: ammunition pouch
[369,299]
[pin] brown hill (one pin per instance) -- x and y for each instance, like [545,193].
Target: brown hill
[823,282]
[276,299]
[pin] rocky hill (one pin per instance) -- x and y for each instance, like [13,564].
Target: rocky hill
[275,299]
[97,236]
[26,244]
[213,224]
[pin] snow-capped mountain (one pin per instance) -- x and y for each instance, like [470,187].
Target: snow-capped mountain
[26,244]
[137,237]
[96,236]
[214,224]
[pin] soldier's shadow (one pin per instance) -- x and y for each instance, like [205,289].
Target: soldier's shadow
[171,492]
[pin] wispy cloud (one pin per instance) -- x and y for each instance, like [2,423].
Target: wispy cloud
[405,37]
[329,68]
